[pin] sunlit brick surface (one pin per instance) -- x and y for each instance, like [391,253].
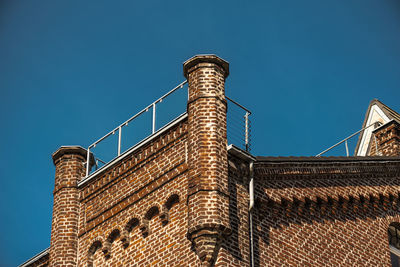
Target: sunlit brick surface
[325,213]
[64,232]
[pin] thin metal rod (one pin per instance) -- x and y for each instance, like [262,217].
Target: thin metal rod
[347,148]
[236,103]
[154,118]
[87,162]
[251,239]
[246,133]
[179,86]
[119,139]
[102,161]
[326,150]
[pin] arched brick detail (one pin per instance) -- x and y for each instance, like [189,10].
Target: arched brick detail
[111,237]
[95,245]
[171,201]
[127,229]
[149,215]
[152,212]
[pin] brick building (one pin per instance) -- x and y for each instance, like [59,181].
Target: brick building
[185,197]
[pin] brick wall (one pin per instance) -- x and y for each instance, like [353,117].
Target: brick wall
[386,139]
[135,212]
[325,213]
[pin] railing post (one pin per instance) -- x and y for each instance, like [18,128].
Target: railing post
[246,133]
[88,162]
[119,140]
[154,118]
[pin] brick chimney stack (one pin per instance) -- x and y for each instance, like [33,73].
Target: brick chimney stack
[208,198]
[70,169]
[387,139]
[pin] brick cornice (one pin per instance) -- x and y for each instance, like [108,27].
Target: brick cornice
[383,168]
[71,150]
[201,61]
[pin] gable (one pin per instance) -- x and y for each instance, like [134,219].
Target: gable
[374,114]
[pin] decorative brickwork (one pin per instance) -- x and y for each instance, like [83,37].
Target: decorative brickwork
[327,212]
[208,197]
[387,140]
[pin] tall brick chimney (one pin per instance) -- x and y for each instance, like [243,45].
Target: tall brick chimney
[208,198]
[69,162]
[387,139]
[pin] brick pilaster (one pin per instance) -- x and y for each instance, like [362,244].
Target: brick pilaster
[70,168]
[208,199]
[387,139]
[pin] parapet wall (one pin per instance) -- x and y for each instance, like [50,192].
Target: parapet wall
[133,213]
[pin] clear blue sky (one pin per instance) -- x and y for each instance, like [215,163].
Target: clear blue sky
[72,70]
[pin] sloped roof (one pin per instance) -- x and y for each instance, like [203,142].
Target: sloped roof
[388,112]
[393,115]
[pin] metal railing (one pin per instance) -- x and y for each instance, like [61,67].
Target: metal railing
[345,141]
[238,125]
[119,128]
[239,130]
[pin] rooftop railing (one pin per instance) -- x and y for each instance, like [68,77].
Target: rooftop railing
[238,125]
[160,115]
[118,130]
[346,141]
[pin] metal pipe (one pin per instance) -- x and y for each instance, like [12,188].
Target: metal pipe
[246,137]
[251,240]
[154,118]
[326,150]
[251,186]
[179,86]
[251,205]
[234,102]
[87,162]
[347,148]
[119,139]
[102,161]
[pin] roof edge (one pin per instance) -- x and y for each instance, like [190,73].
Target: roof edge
[329,159]
[38,256]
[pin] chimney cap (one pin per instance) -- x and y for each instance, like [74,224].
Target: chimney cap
[71,150]
[197,59]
